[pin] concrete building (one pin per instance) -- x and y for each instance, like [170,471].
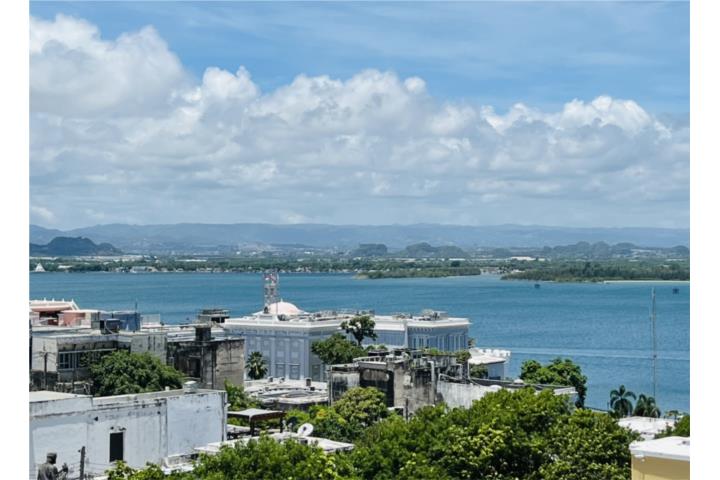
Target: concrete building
[662,459]
[283,333]
[137,429]
[412,380]
[495,360]
[409,382]
[208,360]
[60,356]
[285,394]
[462,393]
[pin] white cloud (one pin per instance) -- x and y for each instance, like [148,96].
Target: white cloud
[41,214]
[120,123]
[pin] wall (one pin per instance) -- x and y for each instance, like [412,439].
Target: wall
[155,426]
[230,363]
[650,468]
[460,394]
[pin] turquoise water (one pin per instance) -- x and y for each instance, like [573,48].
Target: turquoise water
[603,327]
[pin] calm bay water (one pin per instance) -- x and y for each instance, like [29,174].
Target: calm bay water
[605,328]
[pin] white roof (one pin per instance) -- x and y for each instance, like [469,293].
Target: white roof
[646,426]
[672,448]
[282,308]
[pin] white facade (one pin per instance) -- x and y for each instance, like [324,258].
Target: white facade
[496,361]
[285,338]
[148,426]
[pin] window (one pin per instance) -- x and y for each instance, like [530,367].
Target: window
[116,446]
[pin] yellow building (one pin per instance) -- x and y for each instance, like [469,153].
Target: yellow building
[662,459]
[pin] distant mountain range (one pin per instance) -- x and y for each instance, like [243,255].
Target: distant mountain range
[70,247]
[188,237]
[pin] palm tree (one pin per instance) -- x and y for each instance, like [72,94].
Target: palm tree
[620,402]
[646,407]
[256,366]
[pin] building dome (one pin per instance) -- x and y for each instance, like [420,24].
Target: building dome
[282,308]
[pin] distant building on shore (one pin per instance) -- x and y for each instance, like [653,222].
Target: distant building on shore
[284,333]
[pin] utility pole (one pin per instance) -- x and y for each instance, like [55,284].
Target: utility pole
[654,341]
[45,354]
[82,463]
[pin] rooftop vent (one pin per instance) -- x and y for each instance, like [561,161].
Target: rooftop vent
[190,387]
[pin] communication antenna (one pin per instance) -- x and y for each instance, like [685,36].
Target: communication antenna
[654,341]
[271,282]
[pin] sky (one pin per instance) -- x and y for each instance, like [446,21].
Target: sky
[548,113]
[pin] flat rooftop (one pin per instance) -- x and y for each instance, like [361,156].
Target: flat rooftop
[46,396]
[646,426]
[671,448]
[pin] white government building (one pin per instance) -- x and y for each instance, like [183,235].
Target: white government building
[284,333]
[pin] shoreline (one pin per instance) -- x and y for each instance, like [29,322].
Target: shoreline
[647,281]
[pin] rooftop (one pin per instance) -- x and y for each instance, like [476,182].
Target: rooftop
[672,448]
[46,396]
[646,426]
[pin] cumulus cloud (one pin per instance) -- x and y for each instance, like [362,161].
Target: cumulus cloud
[119,127]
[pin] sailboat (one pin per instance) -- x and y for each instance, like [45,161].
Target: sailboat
[39,268]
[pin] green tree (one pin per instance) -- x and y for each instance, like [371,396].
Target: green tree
[620,403]
[238,399]
[336,349]
[557,372]
[646,407]
[364,405]
[681,429]
[478,371]
[263,458]
[586,445]
[360,327]
[122,372]
[256,366]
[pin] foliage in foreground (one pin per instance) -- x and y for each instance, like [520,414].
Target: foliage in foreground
[348,418]
[681,429]
[122,372]
[557,372]
[505,435]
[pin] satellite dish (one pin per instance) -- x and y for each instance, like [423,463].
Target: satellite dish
[305,430]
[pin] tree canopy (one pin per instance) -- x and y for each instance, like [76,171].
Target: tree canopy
[557,372]
[503,436]
[646,407]
[256,366]
[360,327]
[122,372]
[336,349]
[620,401]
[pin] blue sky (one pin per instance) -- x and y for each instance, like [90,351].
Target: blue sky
[499,53]
[556,113]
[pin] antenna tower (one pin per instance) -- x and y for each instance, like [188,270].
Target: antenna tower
[271,282]
[654,342]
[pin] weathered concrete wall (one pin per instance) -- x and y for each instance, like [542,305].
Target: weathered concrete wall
[154,343]
[230,363]
[154,427]
[341,382]
[460,394]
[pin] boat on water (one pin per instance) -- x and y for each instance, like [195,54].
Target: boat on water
[676,290]
[537,285]
[39,268]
